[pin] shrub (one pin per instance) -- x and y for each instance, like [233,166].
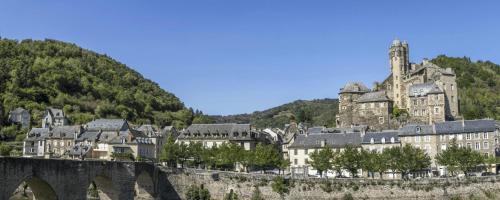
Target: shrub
[279,185]
[197,193]
[231,196]
[326,186]
[347,196]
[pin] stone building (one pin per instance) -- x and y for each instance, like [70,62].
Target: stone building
[406,84]
[211,135]
[480,135]
[34,144]
[20,116]
[379,141]
[53,117]
[61,139]
[307,143]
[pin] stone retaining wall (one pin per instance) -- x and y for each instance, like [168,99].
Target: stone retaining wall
[220,183]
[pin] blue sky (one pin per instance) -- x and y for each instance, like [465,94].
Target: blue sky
[228,57]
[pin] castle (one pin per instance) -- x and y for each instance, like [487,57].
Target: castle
[419,93]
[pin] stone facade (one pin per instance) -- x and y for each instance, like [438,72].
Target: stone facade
[425,91]
[20,116]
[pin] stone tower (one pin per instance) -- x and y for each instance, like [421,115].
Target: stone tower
[400,66]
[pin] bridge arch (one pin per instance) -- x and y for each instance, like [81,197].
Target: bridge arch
[144,186]
[41,189]
[104,187]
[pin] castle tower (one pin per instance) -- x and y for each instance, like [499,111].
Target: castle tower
[400,66]
[348,96]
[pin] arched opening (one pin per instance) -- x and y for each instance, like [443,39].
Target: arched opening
[34,188]
[144,187]
[102,188]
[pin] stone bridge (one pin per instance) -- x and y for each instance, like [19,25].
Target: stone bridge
[52,179]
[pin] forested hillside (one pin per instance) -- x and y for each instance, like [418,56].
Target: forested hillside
[319,112]
[479,86]
[87,85]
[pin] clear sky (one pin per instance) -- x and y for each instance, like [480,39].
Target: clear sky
[237,56]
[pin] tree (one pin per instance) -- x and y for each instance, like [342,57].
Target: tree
[449,157]
[195,152]
[369,161]
[407,159]
[381,163]
[266,156]
[5,149]
[169,152]
[182,152]
[283,164]
[468,159]
[350,159]
[321,160]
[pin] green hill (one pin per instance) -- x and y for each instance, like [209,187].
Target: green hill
[86,85]
[316,112]
[479,86]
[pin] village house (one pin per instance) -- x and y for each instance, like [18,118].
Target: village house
[20,116]
[379,141]
[211,135]
[157,137]
[54,117]
[109,139]
[34,144]
[61,139]
[309,142]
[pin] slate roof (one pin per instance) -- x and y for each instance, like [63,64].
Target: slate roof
[148,129]
[66,132]
[90,135]
[17,111]
[373,97]
[56,113]
[416,129]
[316,129]
[377,137]
[354,87]
[424,89]
[467,126]
[334,140]
[37,134]
[107,124]
[218,128]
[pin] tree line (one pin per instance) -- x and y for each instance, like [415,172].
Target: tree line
[226,156]
[402,160]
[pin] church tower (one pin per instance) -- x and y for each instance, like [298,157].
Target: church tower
[400,66]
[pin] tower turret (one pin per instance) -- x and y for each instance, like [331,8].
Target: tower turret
[400,66]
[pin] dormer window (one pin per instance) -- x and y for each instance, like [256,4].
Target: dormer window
[123,140]
[418,129]
[372,141]
[382,140]
[392,140]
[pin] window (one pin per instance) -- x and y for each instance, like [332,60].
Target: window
[415,102]
[468,136]
[469,145]
[372,105]
[478,145]
[496,140]
[436,97]
[382,140]
[306,151]
[443,147]
[415,113]
[485,135]
[460,137]
[452,87]
[380,120]
[427,138]
[418,129]
[382,105]
[452,99]
[343,107]
[306,161]
[295,161]
[363,106]
[397,86]
[486,145]
[436,110]
[372,141]
[422,101]
[476,136]
[392,140]
[423,112]
[417,138]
